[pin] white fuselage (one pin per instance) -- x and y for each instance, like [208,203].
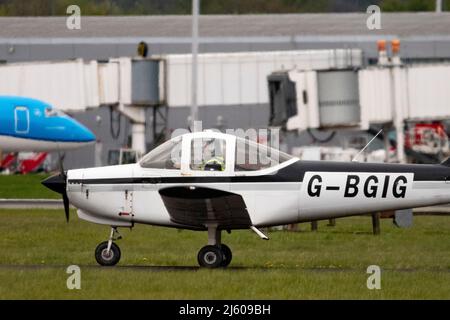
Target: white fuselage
[320,195]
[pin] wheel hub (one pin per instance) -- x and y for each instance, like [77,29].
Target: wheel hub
[210,257]
[107,255]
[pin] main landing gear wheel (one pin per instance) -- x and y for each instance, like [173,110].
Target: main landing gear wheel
[107,257]
[210,257]
[214,256]
[227,255]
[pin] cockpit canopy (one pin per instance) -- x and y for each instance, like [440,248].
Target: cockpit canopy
[213,152]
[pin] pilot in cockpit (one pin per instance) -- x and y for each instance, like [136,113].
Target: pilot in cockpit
[213,155]
[214,164]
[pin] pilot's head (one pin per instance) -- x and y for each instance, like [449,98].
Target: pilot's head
[214,164]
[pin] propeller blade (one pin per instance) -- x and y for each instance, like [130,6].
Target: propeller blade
[58,183]
[64,194]
[66,205]
[61,165]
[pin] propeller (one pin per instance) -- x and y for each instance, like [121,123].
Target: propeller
[58,183]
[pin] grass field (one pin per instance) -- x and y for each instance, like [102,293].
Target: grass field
[27,186]
[37,246]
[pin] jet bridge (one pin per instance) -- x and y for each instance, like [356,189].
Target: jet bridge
[388,94]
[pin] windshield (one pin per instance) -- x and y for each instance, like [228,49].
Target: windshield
[50,112]
[165,156]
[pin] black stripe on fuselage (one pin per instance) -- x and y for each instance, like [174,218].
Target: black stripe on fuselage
[293,173]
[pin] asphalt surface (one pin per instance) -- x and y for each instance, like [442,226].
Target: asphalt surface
[31,204]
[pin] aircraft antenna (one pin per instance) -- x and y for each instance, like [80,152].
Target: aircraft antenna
[362,150]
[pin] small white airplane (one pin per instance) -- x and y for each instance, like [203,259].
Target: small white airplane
[212,182]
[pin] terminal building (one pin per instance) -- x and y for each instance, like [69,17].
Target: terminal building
[247,39]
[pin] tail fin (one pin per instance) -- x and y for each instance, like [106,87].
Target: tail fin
[446,162]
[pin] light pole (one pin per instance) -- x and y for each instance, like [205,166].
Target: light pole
[194,103]
[438,6]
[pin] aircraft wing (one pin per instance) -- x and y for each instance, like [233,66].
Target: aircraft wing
[198,206]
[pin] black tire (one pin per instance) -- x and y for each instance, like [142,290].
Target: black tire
[210,257]
[101,254]
[227,255]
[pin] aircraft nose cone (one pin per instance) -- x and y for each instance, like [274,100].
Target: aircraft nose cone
[87,135]
[77,132]
[56,183]
[80,133]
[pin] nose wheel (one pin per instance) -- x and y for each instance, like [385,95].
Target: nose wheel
[105,257]
[108,253]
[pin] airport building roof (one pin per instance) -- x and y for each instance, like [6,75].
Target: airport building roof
[425,36]
[327,24]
